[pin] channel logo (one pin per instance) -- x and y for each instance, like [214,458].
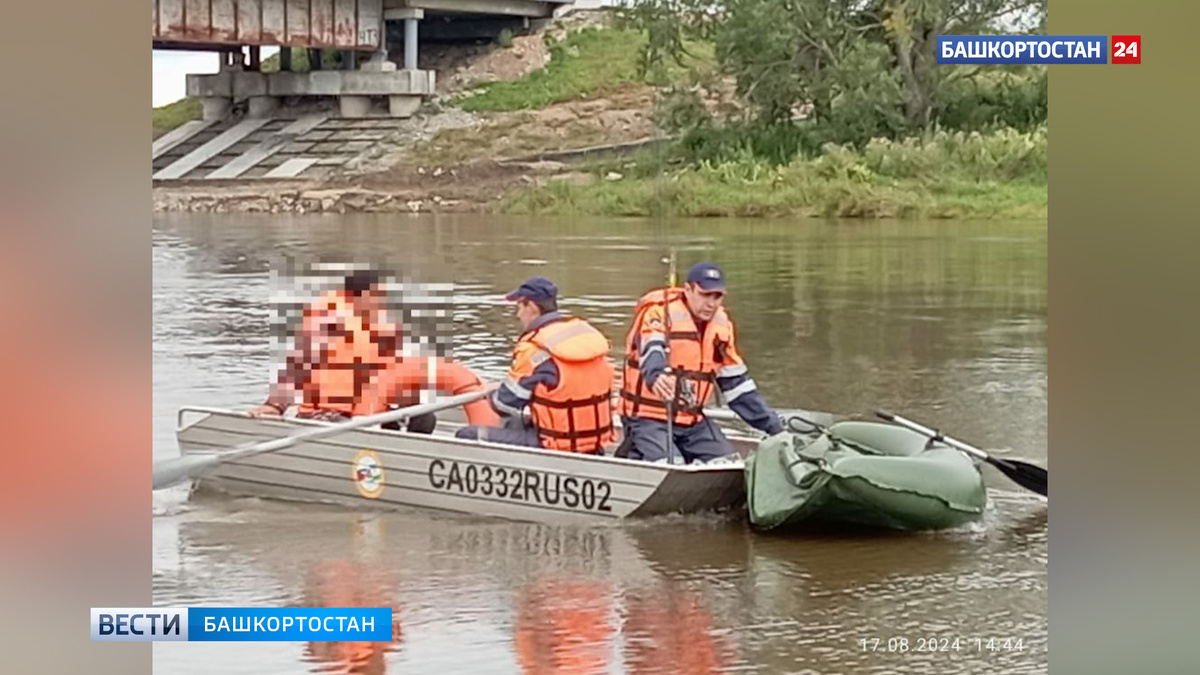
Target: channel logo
[241,624]
[1037,49]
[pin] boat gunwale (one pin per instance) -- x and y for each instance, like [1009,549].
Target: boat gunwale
[287,422]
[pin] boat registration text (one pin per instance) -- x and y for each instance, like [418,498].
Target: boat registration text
[522,485]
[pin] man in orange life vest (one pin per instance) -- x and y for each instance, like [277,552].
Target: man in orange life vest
[345,339]
[560,372]
[703,354]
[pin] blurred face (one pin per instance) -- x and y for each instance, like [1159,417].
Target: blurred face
[371,301]
[703,304]
[527,312]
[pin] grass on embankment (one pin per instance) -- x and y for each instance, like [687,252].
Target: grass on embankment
[167,117]
[584,63]
[948,175]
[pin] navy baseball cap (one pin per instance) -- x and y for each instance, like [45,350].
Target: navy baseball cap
[707,276]
[536,289]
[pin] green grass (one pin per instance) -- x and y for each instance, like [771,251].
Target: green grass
[167,117]
[583,63]
[997,175]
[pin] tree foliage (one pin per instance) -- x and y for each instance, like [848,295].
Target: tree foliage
[852,69]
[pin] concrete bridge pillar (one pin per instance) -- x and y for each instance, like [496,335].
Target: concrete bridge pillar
[410,17]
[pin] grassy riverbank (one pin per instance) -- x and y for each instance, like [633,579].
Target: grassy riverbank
[167,117]
[1001,174]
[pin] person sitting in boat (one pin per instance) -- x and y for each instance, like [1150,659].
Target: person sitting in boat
[344,340]
[703,354]
[560,372]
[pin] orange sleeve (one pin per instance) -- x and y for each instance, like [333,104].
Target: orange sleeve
[730,356]
[522,361]
[653,323]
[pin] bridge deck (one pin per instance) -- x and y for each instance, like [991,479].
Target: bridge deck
[335,24]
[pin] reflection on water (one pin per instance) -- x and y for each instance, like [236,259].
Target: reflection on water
[943,321]
[343,583]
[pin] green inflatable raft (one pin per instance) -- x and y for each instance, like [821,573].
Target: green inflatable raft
[861,473]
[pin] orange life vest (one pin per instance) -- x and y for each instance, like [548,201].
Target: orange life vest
[575,416]
[695,358]
[348,357]
[396,382]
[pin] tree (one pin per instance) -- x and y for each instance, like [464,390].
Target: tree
[864,67]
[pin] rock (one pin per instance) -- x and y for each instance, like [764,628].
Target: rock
[358,200]
[612,119]
[542,166]
[613,176]
[254,205]
[575,178]
[558,116]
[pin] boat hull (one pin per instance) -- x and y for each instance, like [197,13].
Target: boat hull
[375,468]
[797,480]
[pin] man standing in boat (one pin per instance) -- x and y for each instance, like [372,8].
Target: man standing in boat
[691,325]
[560,373]
[345,339]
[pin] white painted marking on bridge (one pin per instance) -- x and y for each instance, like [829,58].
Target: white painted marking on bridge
[247,160]
[226,139]
[291,168]
[176,136]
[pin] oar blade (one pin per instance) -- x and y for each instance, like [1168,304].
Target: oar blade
[179,469]
[1029,476]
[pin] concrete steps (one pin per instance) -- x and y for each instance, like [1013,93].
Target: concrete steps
[306,147]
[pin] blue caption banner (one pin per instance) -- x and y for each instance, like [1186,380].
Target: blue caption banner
[1039,49]
[241,624]
[223,624]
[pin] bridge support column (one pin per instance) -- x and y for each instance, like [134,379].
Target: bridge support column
[214,108]
[410,44]
[262,106]
[410,17]
[354,106]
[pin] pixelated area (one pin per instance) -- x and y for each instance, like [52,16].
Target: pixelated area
[416,317]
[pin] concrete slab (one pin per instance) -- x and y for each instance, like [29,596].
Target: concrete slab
[176,136]
[180,167]
[268,147]
[291,168]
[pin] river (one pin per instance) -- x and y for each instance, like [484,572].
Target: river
[943,321]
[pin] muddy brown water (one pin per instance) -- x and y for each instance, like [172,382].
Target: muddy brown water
[943,321]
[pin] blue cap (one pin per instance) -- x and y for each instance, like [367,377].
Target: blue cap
[536,289]
[707,276]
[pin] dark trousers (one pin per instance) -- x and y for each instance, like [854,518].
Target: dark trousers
[701,442]
[514,432]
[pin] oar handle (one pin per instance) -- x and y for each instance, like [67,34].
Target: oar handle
[932,434]
[359,423]
[169,472]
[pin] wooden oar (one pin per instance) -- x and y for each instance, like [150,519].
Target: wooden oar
[1028,476]
[172,471]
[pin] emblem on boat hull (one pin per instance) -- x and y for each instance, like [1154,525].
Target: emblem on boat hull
[368,474]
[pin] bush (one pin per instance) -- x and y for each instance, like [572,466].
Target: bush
[1016,99]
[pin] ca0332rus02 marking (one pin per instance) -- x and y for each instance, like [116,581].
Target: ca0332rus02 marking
[520,485]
